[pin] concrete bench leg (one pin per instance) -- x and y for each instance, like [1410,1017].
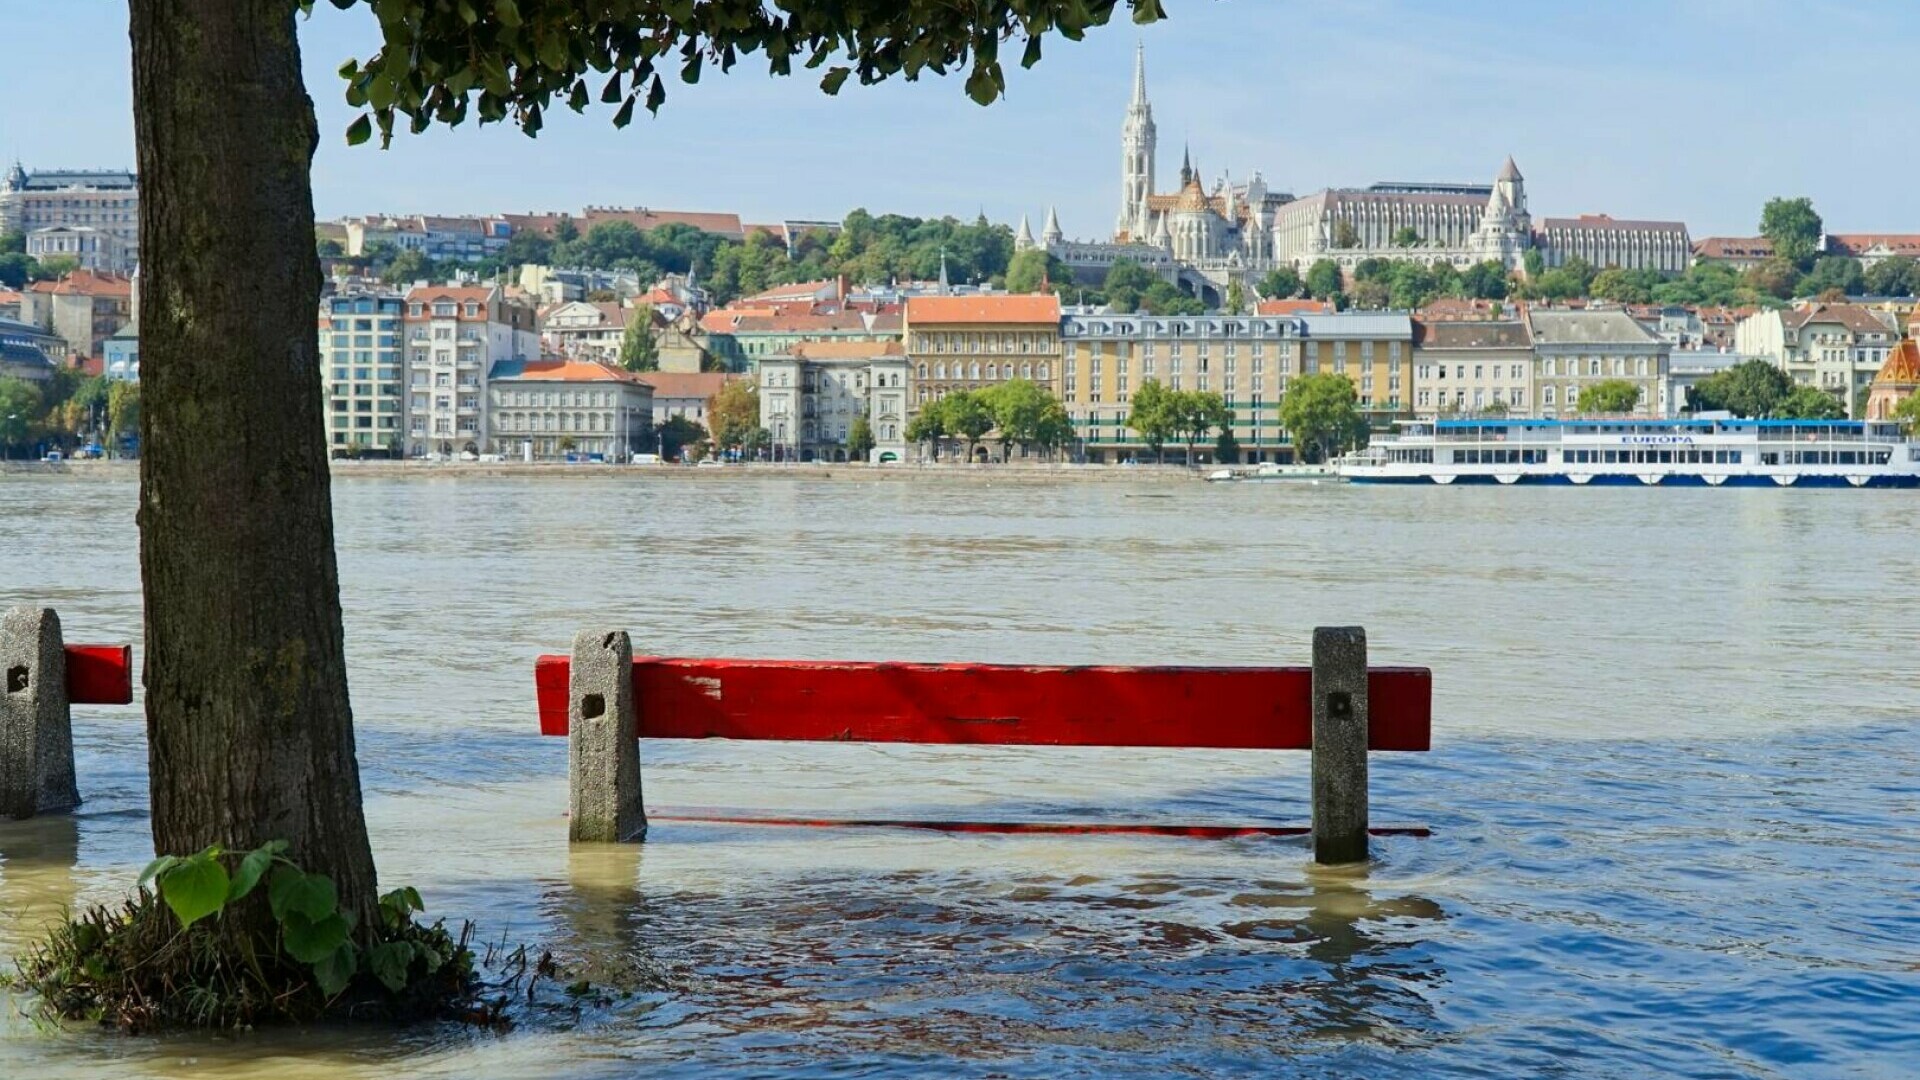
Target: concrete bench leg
[36,722]
[603,741]
[1339,744]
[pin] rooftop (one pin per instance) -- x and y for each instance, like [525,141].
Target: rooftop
[1471,334]
[999,308]
[557,370]
[1587,328]
[686,384]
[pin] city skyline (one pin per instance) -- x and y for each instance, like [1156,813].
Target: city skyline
[1657,116]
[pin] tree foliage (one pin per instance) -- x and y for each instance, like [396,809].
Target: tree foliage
[676,433]
[639,349]
[1896,276]
[1321,412]
[20,411]
[1908,413]
[1810,403]
[1793,227]
[1324,279]
[1150,414]
[517,59]
[733,412]
[1281,284]
[1609,396]
[860,441]
[1752,388]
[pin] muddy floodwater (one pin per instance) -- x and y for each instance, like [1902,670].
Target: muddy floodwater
[1674,794]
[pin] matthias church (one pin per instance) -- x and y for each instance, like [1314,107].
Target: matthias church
[1206,236]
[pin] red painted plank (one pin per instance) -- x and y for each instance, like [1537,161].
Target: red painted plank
[100,674]
[1058,828]
[1224,708]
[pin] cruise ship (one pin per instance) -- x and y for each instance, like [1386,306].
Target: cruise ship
[1706,450]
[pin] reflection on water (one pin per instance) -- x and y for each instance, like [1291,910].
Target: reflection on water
[1672,798]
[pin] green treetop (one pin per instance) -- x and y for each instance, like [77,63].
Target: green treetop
[1809,403]
[1321,412]
[1752,388]
[639,351]
[1793,228]
[1150,412]
[1609,396]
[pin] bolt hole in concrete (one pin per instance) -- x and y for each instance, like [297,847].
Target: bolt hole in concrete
[592,706]
[17,679]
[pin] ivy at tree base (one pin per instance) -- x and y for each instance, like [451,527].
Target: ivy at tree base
[133,968]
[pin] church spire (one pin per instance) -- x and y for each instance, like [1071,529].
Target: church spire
[1186,165]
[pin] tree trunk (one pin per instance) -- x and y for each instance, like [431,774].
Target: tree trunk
[249,731]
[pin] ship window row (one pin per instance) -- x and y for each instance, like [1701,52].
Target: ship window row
[1651,457]
[1833,457]
[1499,457]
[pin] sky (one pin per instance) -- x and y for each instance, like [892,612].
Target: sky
[1696,110]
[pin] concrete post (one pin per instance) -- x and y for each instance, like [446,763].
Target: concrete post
[36,723]
[603,740]
[1339,744]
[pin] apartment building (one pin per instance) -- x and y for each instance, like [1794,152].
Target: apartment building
[454,336]
[362,354]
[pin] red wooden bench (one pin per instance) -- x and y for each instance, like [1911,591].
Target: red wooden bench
[41,678]
[603,698]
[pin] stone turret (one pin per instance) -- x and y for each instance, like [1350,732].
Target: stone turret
[1137,146]
[1050,233]
[1023,239]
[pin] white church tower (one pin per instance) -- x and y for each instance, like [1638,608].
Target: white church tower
[1136,155]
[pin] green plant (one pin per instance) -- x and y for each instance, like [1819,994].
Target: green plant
[312,927]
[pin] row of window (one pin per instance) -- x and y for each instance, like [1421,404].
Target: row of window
[940,341]
[1571,365]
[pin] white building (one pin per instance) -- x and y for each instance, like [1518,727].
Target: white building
[811,396]
[106,202]
[454,336]
[546,409]
[1836,347]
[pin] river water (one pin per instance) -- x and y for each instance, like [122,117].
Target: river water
[1674,794]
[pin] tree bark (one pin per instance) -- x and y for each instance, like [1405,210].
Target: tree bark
[249,730]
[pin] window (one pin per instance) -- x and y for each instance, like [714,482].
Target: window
[1546,396]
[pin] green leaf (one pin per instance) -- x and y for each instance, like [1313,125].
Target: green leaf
[1032,55]
[313,940]
[404,899]
[625,115]
[507,12]
[157,867]
[656,94]
[1148,11]
[389,962]
[981,87]
[429,956]
[195,887]
[359,131]
[830,82]
[335,970]
[252,867]
[292,891]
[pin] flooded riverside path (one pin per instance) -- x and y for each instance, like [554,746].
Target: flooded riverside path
[1674,793]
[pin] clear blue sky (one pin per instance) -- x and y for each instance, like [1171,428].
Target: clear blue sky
[1689,109]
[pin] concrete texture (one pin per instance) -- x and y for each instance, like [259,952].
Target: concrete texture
[36,725]
[1339,744]
[603,740]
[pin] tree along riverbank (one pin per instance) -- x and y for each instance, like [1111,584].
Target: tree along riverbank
[1009,473]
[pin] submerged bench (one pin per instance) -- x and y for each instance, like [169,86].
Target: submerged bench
[604,699]
[44,679]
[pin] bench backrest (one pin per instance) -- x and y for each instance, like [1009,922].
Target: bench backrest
[1241,708]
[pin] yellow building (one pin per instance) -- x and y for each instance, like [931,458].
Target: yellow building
[973,342]
[1246,359]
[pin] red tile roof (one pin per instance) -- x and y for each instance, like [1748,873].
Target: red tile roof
[1293,307]
[687,384]
[86,283]
[847,350]
[1902,366]
[1733,247]
[999,308]
[567,370]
